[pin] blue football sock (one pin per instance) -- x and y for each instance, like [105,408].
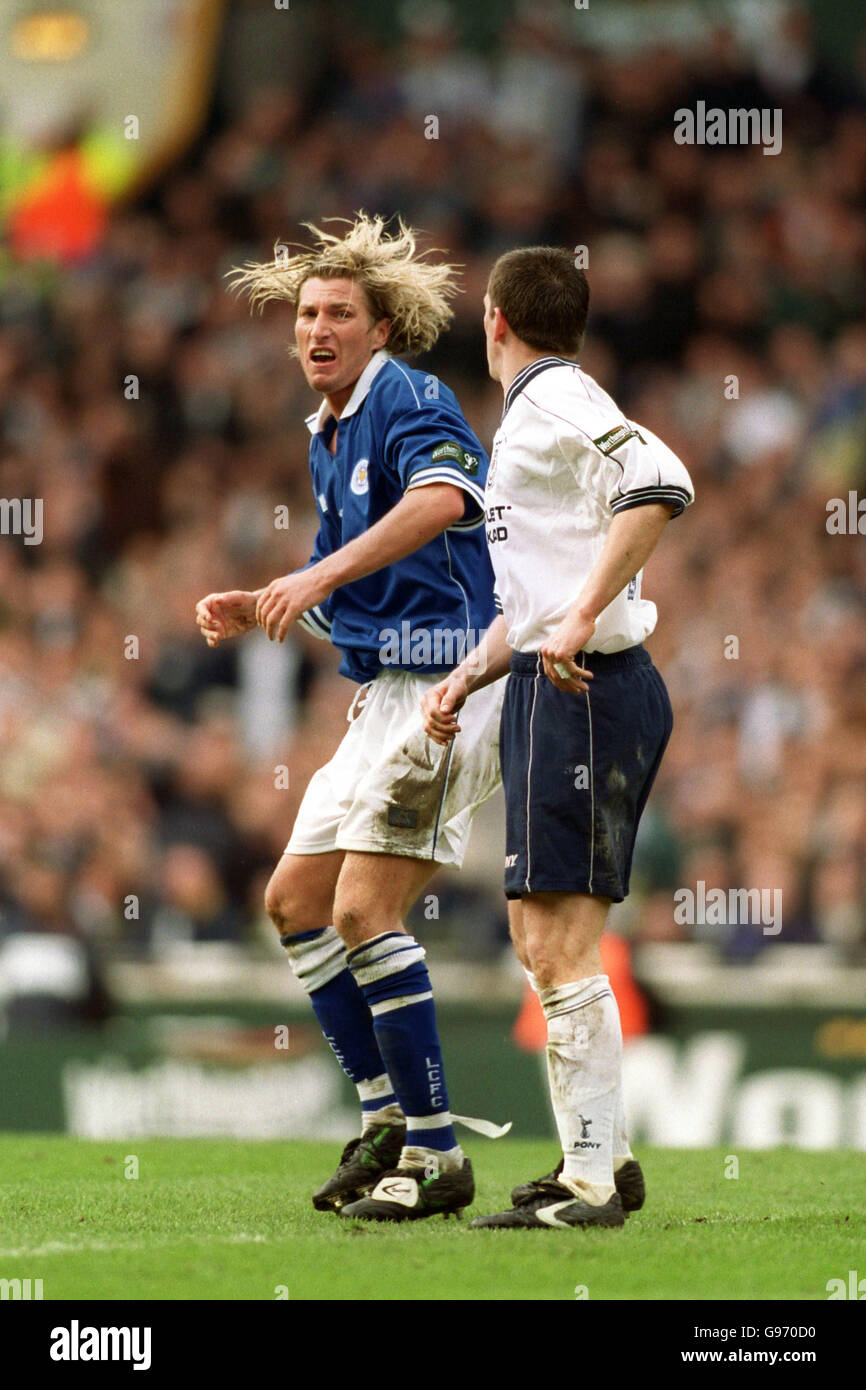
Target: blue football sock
[394,981]
[318,958]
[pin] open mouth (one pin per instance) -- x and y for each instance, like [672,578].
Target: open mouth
[322,355]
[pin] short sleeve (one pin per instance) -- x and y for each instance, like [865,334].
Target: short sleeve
[643,470]
[434,444]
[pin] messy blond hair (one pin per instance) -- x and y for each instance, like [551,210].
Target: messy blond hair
[400,286]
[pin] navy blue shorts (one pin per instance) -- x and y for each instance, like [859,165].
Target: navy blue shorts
[578,770]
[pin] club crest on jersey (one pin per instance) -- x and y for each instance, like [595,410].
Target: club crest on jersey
[360,479]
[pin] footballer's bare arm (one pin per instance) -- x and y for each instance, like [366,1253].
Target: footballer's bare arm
[420,515]
[631,539]
[485,664]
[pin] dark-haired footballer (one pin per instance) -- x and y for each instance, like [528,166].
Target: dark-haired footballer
[577,497]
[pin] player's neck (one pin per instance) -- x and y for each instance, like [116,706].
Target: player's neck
[338,400]
[516,356]
[337,403]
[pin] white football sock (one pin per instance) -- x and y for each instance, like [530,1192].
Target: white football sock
[621,1147]
[432,1161]
[584,1061]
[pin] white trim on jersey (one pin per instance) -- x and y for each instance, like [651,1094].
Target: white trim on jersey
[315,622]
[640,496]
[525,375]
[380,359]
[453,576]
[436,474]
[403,372]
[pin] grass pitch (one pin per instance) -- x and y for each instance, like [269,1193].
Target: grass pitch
[226,1219]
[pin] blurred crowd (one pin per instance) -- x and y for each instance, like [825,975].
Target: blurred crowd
[148,784]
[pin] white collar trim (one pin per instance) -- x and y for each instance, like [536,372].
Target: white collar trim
[318,419]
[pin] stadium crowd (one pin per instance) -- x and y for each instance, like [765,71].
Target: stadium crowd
[147,784]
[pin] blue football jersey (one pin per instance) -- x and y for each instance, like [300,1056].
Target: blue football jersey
[400,430]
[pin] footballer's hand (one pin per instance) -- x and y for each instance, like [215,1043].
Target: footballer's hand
[226,615]
[558,652]
[439,707]
[286,599]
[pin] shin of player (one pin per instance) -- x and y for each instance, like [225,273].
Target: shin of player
[561,934]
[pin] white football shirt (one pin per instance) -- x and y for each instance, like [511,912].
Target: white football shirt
[564,461]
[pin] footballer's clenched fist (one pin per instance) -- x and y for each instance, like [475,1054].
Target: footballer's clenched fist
[439,708]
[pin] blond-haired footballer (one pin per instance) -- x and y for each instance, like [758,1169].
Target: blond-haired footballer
[398,479]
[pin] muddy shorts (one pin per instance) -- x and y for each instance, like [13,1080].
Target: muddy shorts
[578,770]
[389,789]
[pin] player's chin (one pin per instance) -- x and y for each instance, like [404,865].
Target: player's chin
[321,374]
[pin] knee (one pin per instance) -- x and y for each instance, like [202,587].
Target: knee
[352,920]
[544,956]
[291,906]
[358,918]
[278,908]
[540,963]
[555,963]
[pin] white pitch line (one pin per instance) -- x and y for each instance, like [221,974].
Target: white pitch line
[61,1247]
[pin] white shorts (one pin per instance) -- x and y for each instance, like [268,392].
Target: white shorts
[389,789]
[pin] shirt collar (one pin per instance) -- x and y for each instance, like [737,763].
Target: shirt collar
[526,374]
[318,419]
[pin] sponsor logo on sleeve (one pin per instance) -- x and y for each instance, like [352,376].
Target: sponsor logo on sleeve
[450,449]
[615,438]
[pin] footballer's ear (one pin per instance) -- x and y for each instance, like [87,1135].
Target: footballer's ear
[500,325]
[381,331]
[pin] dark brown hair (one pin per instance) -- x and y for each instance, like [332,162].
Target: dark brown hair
[544,297]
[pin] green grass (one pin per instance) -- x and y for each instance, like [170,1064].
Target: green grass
[231,1220]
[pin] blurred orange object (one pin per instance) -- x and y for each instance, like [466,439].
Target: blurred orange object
[62,215]
[530,1028]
